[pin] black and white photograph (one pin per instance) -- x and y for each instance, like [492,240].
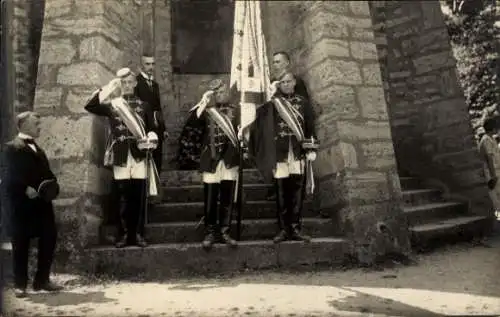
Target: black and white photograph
[249,158]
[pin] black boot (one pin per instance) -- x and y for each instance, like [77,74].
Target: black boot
[280,209]
[226,211]
[210,213]
[295,201]
[122,191]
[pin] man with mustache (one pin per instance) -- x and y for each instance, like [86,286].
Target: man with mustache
[127,155]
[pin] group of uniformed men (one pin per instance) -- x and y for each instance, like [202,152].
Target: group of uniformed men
[281,143]
[271,141]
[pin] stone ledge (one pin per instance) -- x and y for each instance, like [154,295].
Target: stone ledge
[165,261]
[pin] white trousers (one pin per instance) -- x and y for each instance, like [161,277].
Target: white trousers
[222,173]
[132,170]
[291,166]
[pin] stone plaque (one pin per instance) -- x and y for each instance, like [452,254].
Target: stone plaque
[202,36]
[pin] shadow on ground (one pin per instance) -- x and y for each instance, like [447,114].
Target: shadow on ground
[365,303]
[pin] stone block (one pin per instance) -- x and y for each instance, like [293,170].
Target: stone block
[356,131]
[48,100]
[332,71]
[77,178]
[329,161]
[427,63]
[363,51]
[98,48]
[320,24]
[371,74]
[58,8]
[326,129]
[432,14]
[427,41]
[327,47]
[76,99]
[84,74]
[372,101]
[82,27]
[378,155]
[337,7]
[63,137]
[349,154]
[360,8]
[368,187]
[59,51]
[470,177]
[337,101]
[444,113]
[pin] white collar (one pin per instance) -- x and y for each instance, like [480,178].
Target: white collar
[24,136]
[146,76]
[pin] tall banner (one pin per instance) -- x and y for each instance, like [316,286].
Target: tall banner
[249,64]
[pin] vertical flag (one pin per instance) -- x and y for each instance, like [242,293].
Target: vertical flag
[249,65]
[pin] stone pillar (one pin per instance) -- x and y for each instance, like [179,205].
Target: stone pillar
[82,47]
[429,118]
[163,55]
[356,166]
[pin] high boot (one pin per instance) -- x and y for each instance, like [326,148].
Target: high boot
[295,200]
[210,212]
[226,211]
[280,209]
[122,191]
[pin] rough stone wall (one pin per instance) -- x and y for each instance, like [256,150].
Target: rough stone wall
[429,118]
[82,47]
[333,46]
[22,55]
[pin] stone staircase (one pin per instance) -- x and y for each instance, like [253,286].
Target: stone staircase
[434,220]
[175,231]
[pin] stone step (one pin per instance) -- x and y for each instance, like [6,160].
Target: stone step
[257,229]
[193,211]
[164,261]
[427,213]
[414,197]
[410,183]
[449,230]
[181,178]
[259,191]
[195,193]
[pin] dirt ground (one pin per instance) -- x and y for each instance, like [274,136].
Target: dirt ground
[458,280]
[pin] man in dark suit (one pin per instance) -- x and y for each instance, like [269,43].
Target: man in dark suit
[29,187]
[127,154]
[148,90]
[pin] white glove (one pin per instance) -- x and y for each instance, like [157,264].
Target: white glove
[274,87]
[208,94]
[311,156]
[148,143]
[31,192]
[110,90]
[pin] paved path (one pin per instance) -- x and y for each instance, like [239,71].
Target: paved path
[463,280]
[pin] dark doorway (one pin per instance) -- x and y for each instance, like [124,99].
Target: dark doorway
[202,36]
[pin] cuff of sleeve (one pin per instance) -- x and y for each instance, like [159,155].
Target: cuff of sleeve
[152,135]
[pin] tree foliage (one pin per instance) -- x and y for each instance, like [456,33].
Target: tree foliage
[473,38]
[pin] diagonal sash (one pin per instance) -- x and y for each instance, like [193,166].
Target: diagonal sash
[224,123]
[290,116]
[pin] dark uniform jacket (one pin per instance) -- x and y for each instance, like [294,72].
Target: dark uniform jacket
[216,145]
[23,167]
[151,95]
[270,136]
[120,135]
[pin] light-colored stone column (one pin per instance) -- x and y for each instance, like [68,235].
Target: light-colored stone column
[83,45]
